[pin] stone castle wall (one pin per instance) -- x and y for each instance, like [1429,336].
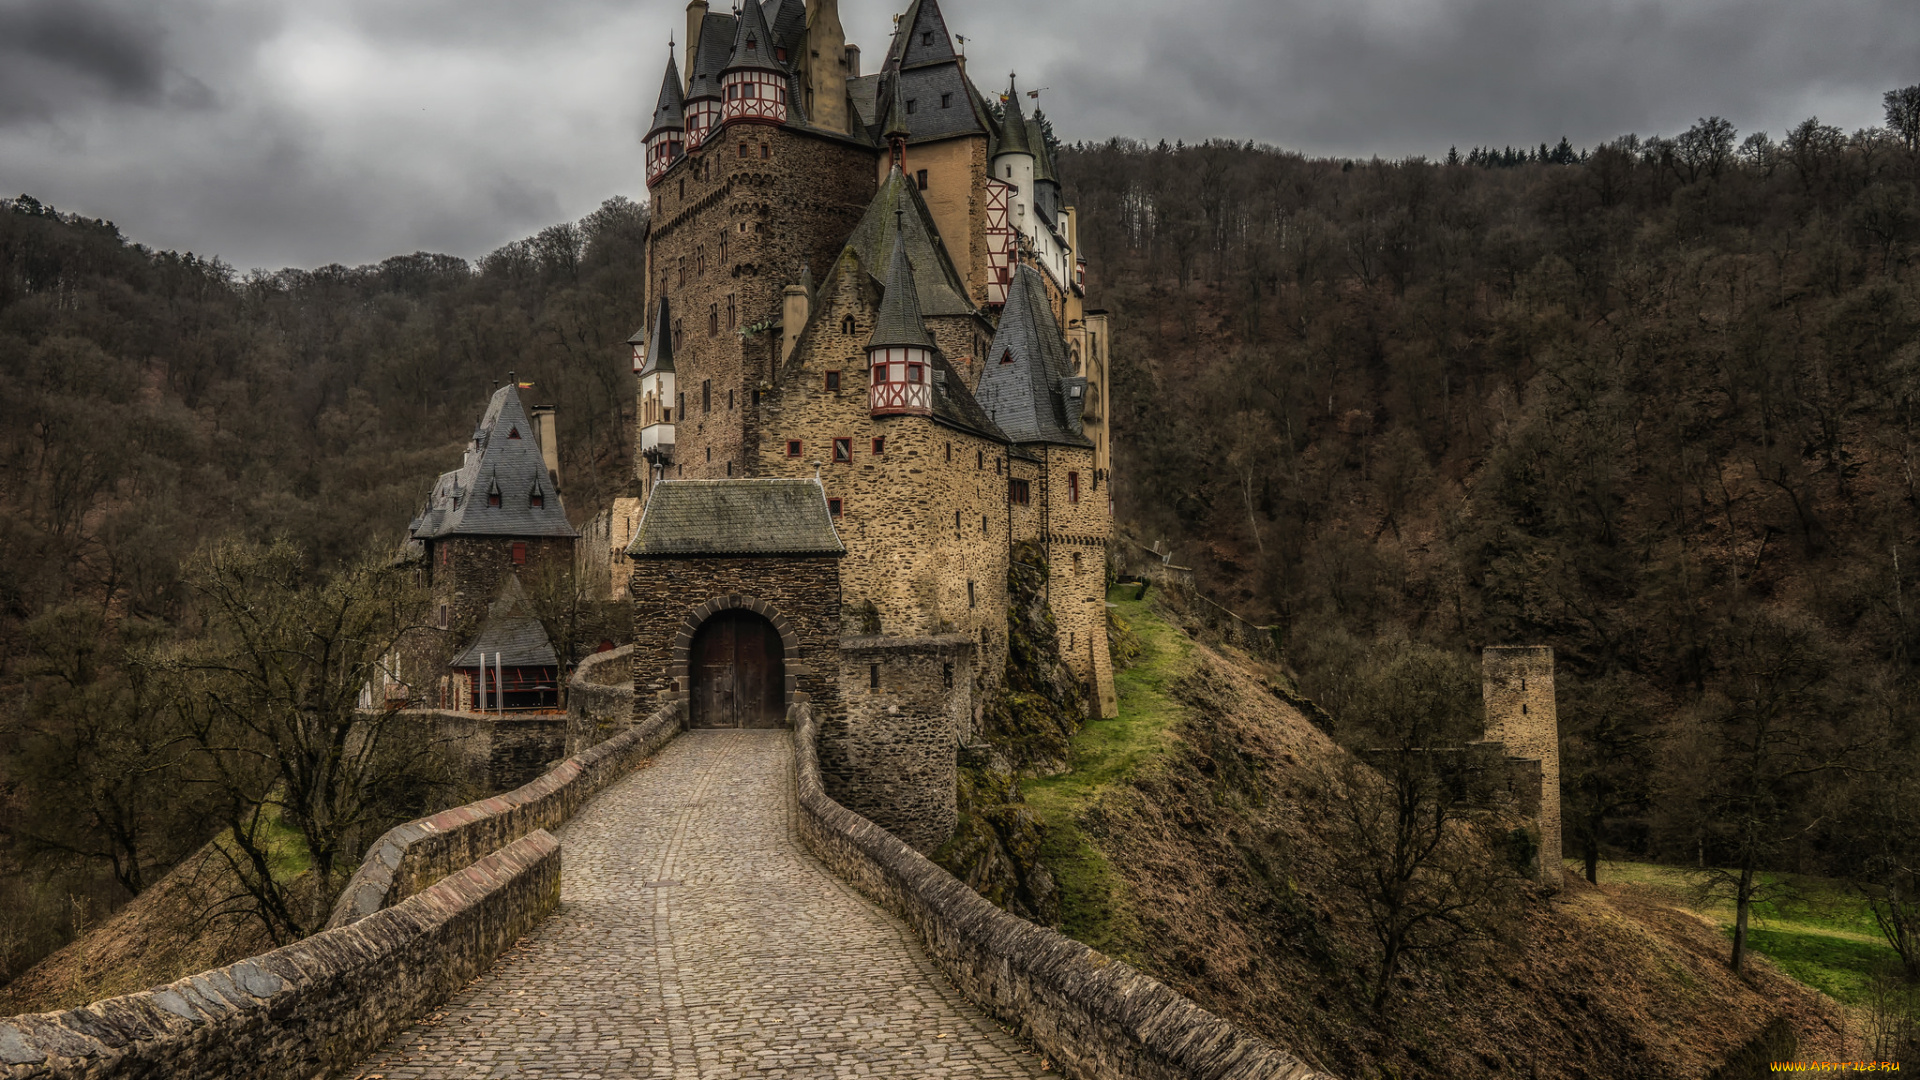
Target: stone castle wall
[890,755]
[1522,715]
[494,752]
[672,597]
[1075,532]
[600,699]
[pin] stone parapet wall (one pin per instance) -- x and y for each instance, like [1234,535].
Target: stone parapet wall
[411,857]
[494,752]
[1092,1015]
[311,1008]
[600,700]
[890,756]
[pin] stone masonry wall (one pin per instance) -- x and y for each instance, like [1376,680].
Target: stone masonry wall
[925,521]
[789,201]
[411,857]
[600,698]
[1093,1016]
[1076,534]
[464,576]
[492,752]
[801,596]
[311,1008]
[1522,714]
[890,756]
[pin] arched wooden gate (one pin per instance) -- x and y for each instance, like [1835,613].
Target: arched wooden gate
[738,673]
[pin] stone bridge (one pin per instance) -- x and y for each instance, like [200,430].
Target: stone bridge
[696,938]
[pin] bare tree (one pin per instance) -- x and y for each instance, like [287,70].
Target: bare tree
[1903,114]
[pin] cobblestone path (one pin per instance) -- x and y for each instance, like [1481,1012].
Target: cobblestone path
[696,939]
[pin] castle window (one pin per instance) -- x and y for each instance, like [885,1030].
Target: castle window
[537,500]
[983,524]
[780,54]
[446,555]
[916,373]
[682,399]
[1073,639]
[956,522]
[766,151]
[946,675]
[713,319]
[701,260]
[729,401]
[833,508]
[1006,357]
[681,263]
[879,446]
[751,43]
[911,102]
[519,553]
[513,433]
[493,498]
[706,395]
[926,38]
[846,325]
[1017,491]
[683,187]
[443,616]
[793,447]
[842,451]
[970,597]
[949,453]
[833,381]
[980,459]
[1073,487]
[920,179]
[723,247]
[729,467]
[743,154]
[946,101]
[1076,562]
[733,318]
[873,676]
[679,334]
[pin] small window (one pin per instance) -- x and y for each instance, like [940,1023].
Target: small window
[833,508]
[916,373]
[493,498]
[519,553]
[793,447]
[833,381]
[443,616]
[729,401]
[1006,357]
[1076,562]
[911,103]
[751,43]
[1073,487]
[683,187]
[1017,490]
[920,179]
[946,675]
[846,325]
[926,38]
[513,433]
[765,151]
[956,521]
[949,453]
[682,399]
[946,101]
[873,676]
[1073,640]
[780,54]
[879,446]
[537,500]
[713,320]
[980,460]
[971,600]
[743,150]
[706,395]
[842,451]
[983,524]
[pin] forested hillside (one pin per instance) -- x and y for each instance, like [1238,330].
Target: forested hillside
[1652,403]
[159,402]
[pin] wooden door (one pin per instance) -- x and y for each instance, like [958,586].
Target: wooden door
[739,677]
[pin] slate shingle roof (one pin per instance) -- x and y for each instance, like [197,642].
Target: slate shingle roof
[497,460]
[753,43]
[710,55]
[936,281]
[1032,398]
[899,321]
[659,341]
[512,631]
[736,517]
[670,111]
[864,91]
[1013,129]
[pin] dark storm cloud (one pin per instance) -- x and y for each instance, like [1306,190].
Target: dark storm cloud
[276,132]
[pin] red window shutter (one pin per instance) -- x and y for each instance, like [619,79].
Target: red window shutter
[519,553]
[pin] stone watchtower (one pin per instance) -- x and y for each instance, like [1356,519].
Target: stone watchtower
[1521,714]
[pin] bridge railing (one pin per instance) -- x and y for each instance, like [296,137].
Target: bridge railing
[1092,1015]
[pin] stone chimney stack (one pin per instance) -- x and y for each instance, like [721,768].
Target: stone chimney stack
[1518,685]
[853,61]
[696,16]
[824,67]
[543,430]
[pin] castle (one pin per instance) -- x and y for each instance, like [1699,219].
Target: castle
[866,381]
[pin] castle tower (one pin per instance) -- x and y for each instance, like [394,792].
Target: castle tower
[657,398]
[900,353]
[709,37]
[753,85]
[666,137]
[1013,162]
[1521,713]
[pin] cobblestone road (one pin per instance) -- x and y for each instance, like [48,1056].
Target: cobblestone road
[696,939]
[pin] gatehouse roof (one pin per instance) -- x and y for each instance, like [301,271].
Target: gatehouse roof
[736,517]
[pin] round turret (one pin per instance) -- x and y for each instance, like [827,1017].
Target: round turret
[666,137]
[753,85]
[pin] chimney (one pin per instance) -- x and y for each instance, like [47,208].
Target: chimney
[793,318]
[549,439]
[823,67]
[696,16]
[853,61]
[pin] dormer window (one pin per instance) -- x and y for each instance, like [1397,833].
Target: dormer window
[926,38]
[493,498]
[513,433]
[780,55]
[911,103]
[751,43]
[1007,357]
[946,101]
[537,500]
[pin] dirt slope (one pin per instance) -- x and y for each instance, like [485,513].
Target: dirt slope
[1226,870]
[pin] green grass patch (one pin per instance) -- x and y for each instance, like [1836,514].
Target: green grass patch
[1105,753]
[1816,929]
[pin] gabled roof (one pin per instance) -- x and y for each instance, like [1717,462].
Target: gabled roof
[938,285]
[899,320]
[864,91]
[659,342]
[504,456]
[670,111]
[1031,395]
[710,55]
[753,43]
[510,631]
[910,45]
[736,517]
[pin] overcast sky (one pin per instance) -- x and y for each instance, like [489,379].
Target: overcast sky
[280,133]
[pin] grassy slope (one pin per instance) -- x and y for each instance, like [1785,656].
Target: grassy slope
[1190,841]
[1816,931]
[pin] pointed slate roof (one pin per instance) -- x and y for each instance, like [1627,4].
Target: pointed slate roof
[659,342]
[1013,131]
[504,456]
[910,46]
[937,283]
[788,18]
[899,320]
[670,111]
[511,631]
[753,43]
[710,55]
[896,114]
[736,517]
[1031,397]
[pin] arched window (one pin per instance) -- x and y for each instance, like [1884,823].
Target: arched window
[713,319]
[846,325]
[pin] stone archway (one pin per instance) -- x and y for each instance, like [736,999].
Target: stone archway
[735,661]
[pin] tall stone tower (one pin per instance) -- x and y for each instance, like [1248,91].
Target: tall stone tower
[1521,713]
